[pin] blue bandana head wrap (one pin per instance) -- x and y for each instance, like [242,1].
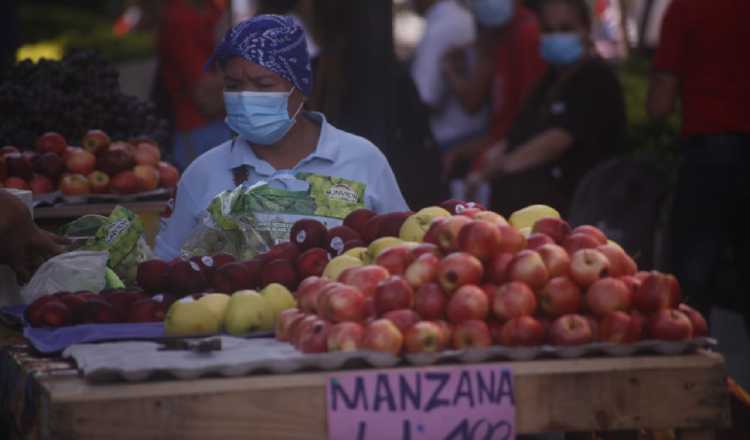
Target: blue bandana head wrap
[272,41]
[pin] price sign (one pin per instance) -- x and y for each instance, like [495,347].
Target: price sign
[466,402]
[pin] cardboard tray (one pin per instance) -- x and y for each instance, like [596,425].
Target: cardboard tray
[58,197]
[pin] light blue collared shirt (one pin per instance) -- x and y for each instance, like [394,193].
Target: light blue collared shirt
[338,154]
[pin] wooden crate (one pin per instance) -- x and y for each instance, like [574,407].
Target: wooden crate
[592,394]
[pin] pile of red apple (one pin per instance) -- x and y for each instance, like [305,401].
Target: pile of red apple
[108,307]
[98,167]
[476,283]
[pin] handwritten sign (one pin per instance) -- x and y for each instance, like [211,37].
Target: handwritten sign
[466,402]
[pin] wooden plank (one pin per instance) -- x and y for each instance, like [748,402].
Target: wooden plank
[555,395]
[74,211]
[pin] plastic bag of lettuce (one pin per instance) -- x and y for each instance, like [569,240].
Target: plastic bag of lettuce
[120,234]
[248,220]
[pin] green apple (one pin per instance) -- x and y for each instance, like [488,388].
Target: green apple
[247,312]
[188,317]
[381,244]
[216,303]
[359,253]
[340,264]
[279,298]
[417,224]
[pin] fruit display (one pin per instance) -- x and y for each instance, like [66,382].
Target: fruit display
[99,167]
[461,277]
[69,97]
[108,307]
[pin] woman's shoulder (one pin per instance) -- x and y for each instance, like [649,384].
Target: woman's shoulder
[352,146]
[213,159]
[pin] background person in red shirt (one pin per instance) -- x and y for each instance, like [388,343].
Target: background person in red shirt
[703,62]
[188,32]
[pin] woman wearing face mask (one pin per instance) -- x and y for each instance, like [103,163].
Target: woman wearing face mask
[267,78]
[574,119]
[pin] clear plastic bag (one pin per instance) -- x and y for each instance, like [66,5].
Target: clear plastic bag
[70,272]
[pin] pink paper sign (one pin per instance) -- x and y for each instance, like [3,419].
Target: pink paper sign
[463,402]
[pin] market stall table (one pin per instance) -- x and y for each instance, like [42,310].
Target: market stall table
[687,392]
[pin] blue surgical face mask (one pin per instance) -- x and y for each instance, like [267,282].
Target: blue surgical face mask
[260,117]
[493,13]
[562,48]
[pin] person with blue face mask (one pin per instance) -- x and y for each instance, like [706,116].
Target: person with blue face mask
[276,143]
[573,120]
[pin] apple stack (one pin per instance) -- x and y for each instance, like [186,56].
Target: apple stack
[465,277]
[108,307]
[99,167]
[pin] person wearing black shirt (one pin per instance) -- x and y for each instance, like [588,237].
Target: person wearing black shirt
[574,119]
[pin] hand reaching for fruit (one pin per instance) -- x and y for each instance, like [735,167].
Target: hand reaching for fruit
[23,242]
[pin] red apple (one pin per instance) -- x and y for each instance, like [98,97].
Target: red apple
[99,182]
[608,295]
[390,224]
[233,277]
[168,175]
[670,325]
[312,262]
[308,291]
[658,291]
[282,251]
[632,282]
[469,302]
[382,335]
[560,296]
[302,327]
[430,301]
[423,337]
[153,276]
[446,333]
[571,330]
[7,150]
[587,266]
[471,334]
[700,326]
[459,269]
[51,142]
[615,327]
[357,220]
[454,206]
[528,266]
[372,228]
[365,278]
[346,336]
[538,239]
[308,233]
[393,293]
[431,236]
[41,184]
[620,263]
[395,259]
[512,300]
[19,166]
[316,339]
[511,241]
[491,217]
[81,162]
[448,231]
[186,277]
[593,231]
[556,260]
[522,331]
[343,303]
[95,141]
[147,153]
[426,248]
[146,310]
[148,177]
[480,239]
[637,326]
[578,240]
[125,182]
[556,228]
[48,164]
[497,269]
[74,185]
[16,183]
[423,270]
[284,323]
[282,272]
[403,318]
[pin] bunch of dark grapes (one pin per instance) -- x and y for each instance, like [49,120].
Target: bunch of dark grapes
[71,96]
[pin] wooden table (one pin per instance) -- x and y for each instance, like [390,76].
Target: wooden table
[52,217]
[593,394]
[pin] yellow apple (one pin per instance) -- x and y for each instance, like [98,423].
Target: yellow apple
[188,317]
[248,312]
[527,216]
[416,225]
[340,264]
